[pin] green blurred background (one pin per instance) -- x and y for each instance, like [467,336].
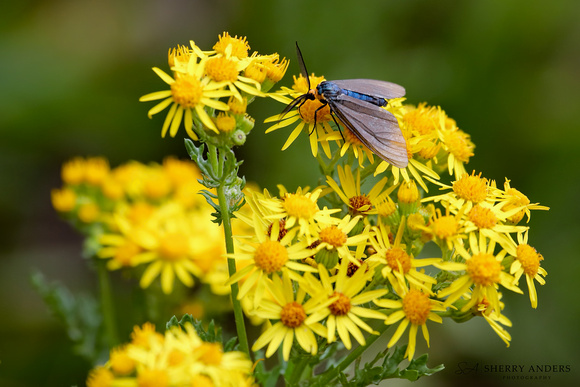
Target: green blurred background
[71,73]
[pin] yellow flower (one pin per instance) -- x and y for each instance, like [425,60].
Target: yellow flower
[305,116]
[527,262]
[397,265]
[350,193]
[483,273]
[189,95]
[513,199]
[414,308]
[344,316]
[291,312]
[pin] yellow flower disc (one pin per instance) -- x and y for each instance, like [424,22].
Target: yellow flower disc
[416,306]
[270,256]
[529,258]
[484,269]
[340,307]
[292,315]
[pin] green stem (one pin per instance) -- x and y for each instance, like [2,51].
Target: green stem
[238,313]
[352,356]
[298,371]
[107,305]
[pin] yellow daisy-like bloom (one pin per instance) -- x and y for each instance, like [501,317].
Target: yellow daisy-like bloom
[190,92]
[334,238]
[345,314]
[483,273]
[291,312]
[177,358]
[267,254]
[513,199]
[447,230]
[167,243]
[414,308]
[397,265]
[458,145]
[304,115]
[494,320]
[527,262]
[299,209]
[350,193]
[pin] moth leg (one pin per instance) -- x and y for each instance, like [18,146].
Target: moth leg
[324,103]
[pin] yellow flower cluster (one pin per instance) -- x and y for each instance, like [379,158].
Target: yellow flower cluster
[309,270]
[204,83]
[147,216]
[177,358]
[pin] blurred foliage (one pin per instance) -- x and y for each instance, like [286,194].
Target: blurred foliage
[72,72]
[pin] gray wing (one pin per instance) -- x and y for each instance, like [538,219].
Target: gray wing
[375,127]
[386,90]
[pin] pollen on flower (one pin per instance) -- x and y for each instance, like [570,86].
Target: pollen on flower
[270,256]
[309,107]
[225,122]
[416,306]
[239,45]
[482,217]
[292,315]
[299,206]
[428,150]
[236,106]
[153,378]
[333,236]
[125,252]
[422,119]
[471,187]
[301,84]
[529,258]
[350,137]
[341,306]
[484,269]
[396,256]
[173,246]
[516,199]
[186,90]
[210,353]
[360,203]
[276,68]
[256,71]
[459,144]
[221,69]
[444,227]
[178,56]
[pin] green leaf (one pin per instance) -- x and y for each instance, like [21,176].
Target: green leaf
[80,315]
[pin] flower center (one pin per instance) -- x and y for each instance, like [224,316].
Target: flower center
[270,256]
[276,68]
[396,256]
[175,357]
[210,353]
[152,378]
[471,187]
[459,144]
[359,204]
[421,120]
[256,71]
[529,258]
[236,106]
[341,306]
[333,236]
[482,217]
[308,109]
[299,206]
[174,246]
[516,199]
[292,315]
[239,48]
[484,269]
[387,207]
[186,90]
[445,227]
[350,137]
[225,123]
[125,252]
[416,306]
[221,69]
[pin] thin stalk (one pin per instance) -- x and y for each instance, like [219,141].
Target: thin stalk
[107,305]
[238,313]
[352,356]
[299,369]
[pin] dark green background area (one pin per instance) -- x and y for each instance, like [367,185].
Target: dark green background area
[508,72]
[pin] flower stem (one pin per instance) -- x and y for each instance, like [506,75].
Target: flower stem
[352,356]
[107,305]
[238,313]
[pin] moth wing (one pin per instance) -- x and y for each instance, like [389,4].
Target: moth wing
[373,87]
[375,127]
